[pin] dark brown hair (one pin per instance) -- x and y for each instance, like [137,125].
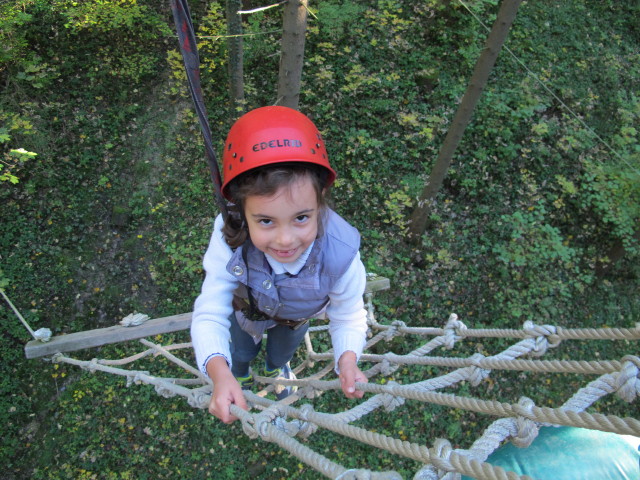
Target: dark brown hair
[266,181]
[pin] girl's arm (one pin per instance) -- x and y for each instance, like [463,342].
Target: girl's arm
[212,308]
[210,327]
[348,326]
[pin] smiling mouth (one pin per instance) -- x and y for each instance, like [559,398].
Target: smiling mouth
[285,253]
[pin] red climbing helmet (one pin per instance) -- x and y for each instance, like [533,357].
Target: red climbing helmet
[269,135]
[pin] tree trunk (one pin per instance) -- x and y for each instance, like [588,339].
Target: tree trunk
[420,216]
[236,80]
[294,26]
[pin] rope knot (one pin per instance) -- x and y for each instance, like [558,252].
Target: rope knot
[389,401]
[393,329]
[248,426]
[138,378]
[42,334]
[362,474]
[527,429]
[134,319]
[451,330]
[93,365]
[308,391]
[306,410]
[478,374]
[306,427]
[544,337]
[163,390]
[627,382]
[440,455]
[198,399]
[263,420]
[312,389]
[387,368]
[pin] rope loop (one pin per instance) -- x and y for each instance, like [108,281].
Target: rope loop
[278,417]
[391,402]
[135,380]
[428,472]
[347,474]
[134,319]
[527,429]
[306,410]
[199,399]
[248,426]
[362,474]
[440,455]
[393,329]
[163,391]
[387,368]
[627,382]
[275,416]
[43,334]
[262,422]
[478,374]
[308,391]
[451,330]
[306,428]
[544,336]
[93,365]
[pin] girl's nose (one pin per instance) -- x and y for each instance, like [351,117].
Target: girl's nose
[284,237]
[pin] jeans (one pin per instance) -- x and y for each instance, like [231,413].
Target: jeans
[282,342]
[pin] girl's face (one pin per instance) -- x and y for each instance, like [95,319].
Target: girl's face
[286,223]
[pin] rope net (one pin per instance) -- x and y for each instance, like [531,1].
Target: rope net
[288,422]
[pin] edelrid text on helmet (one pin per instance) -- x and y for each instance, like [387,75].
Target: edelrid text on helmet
[271,135]
[285,142]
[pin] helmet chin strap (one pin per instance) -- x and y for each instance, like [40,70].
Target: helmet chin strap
[189,51]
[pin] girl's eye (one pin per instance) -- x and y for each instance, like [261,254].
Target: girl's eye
[265,221]
[302,218]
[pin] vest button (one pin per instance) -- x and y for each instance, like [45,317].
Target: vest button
[237,270]
[267,284]
[312,268]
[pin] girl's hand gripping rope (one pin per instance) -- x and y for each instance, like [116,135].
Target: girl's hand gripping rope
[226,390]
[350,374]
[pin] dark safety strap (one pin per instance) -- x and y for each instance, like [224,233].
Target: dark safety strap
[189,51]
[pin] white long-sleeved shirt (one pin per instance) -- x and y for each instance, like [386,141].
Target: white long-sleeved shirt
[210,322]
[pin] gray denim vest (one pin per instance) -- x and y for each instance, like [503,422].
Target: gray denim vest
[302,296]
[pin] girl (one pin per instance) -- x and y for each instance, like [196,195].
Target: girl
[284,258]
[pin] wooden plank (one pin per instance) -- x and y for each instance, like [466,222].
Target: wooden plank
[118,333]
[104,336]
[377,284]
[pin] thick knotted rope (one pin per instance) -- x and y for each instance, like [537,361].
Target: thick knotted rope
[527,429]
[452,331]
[628,380]
[282,423]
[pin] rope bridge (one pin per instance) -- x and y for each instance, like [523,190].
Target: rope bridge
[286,422]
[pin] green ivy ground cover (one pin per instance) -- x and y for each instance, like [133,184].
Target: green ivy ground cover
[114,212]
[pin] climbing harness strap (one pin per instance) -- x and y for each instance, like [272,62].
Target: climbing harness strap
[189,51]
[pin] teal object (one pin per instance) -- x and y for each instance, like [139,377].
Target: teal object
[568,453]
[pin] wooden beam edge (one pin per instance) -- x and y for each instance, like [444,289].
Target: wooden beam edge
[104,336]
[118,333]
[377,284]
